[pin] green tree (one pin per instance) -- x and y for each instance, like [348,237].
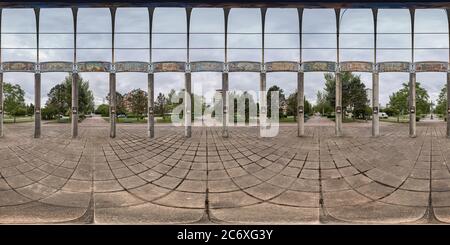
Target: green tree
[120,104]
[14,100]
[103,110]
[60,98]
[281,100]
[398,101]
[49,112]
[58,101]
[292,106]
[170,97]
[354,95]
[161,105]
[441,107]
[138,101]
[322,104]
[30,109]
[241,104]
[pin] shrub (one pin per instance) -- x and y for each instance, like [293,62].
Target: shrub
[103,110]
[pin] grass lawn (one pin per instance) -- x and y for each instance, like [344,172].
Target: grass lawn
[134,120]
[127,120]
[22,119]
[288,119]
[402,119]
[163,120]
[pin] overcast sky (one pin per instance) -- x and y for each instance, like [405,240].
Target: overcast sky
[248,21]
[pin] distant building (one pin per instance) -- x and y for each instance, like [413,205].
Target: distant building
[127,100]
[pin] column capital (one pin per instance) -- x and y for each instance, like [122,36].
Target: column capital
[37,68]
[188,67]
[301,69]
[150,68]
[75,68]
[226,68]
[112,68]
[263,68]
[375,68]
[412,67]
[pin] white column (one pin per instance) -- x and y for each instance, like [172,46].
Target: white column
[448,80]
[225,87]
[339,110]
[37,83]
[375,81]
[75,77]
[1,104]
[112,81]
[300,83]
[150,82]
[1,80]
[187,83]
[412,84]
[262,81]
[448,104]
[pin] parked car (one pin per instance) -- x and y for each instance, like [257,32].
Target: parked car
[122,116]
[383,115]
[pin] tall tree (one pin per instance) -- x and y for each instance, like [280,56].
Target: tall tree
[292,106]
[14,100]
[281,100]
[242,104]
[120,104]
[322,104]
[137,100]
[30,109]
[103,110]
[398,101]
[60,98]
[161,104]
[354,94]
[441,107]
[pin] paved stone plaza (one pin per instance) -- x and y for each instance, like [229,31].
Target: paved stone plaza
[319,178]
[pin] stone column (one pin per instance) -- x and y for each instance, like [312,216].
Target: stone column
[187,81]
[375,104]
[37,105]
[225,87]
[262,81]
[1,81]
[412,83]
[300,81]
[1,103]
[375,81]
[151,93]
[187,105]
[225,104]
[262,102]
[75,77]
[150,81]
[448,79]
[300,103]
[37,83]
[112,104]
[448,104]
[112,79]
[412,104]
[339,110]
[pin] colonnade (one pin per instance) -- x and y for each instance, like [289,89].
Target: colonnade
[225,67]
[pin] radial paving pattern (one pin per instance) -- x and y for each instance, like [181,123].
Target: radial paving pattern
[243,179]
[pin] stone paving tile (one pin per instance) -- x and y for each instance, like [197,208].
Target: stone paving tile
[318,178]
